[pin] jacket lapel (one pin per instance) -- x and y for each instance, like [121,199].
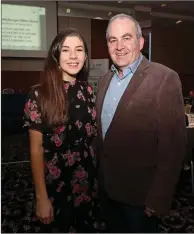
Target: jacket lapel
[131,89]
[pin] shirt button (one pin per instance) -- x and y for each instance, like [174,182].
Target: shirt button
[114,99]
[119,84]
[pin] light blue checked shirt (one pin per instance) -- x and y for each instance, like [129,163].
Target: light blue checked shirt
[115,91]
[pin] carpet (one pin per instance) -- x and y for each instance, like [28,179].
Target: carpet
[18,193]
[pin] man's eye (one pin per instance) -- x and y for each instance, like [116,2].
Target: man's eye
[126,38]
[112,41]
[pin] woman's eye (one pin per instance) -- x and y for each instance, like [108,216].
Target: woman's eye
[112,41]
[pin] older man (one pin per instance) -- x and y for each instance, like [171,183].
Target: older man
[140,114]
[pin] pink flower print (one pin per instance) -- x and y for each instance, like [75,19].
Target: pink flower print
[76,188]
[33,115]
[33,105]
[55,158]
[27,106]
[88,129]
[78,124]
[78,200]
[66,155]
[60,186]
[81,174]
[55,172]
[71,160]
[93,113]
[66,85]
[89,89]
[86,198]
[53,161]
[58,141]
[80,95]
[89,110]
[60,129]
[73,82]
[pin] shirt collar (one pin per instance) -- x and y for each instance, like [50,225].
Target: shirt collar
[131,68]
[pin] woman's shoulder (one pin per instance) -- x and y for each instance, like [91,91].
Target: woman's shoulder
[87,86]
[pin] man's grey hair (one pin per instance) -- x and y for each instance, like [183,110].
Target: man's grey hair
[121,16]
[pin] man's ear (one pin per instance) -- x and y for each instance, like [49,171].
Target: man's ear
[141,43]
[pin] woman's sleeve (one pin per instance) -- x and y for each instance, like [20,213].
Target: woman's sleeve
[93,109]
[32,114]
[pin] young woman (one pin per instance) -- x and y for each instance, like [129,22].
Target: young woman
[61,118]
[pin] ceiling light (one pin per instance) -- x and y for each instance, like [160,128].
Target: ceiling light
[178,21]
[120,1]
[110,13]
[163,5]
[99,18]
[68,10]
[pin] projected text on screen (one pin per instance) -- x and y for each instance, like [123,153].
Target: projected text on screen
[23,27]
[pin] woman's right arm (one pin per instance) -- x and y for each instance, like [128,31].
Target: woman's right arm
[37,164]
[33,121]
[44,209]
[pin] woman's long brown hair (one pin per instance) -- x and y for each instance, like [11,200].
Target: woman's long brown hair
[53,98]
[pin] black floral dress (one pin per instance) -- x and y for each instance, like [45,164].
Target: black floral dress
[70,162]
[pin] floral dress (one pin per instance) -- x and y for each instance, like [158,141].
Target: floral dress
[70,162]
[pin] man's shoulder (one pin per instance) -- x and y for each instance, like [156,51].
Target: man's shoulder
[161,69]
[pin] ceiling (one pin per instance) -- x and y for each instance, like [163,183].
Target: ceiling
[176,7]
[162,12]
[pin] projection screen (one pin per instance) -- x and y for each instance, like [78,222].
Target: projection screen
[28,28]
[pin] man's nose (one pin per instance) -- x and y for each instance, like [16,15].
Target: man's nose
[120,45]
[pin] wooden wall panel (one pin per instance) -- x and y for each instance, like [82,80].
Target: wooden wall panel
[98,39]
[172,45]
[20,81]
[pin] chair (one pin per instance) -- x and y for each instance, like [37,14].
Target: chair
[8,91]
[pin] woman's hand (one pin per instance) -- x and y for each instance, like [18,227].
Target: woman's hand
[44,210]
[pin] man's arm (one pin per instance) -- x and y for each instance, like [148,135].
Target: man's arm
[171,144]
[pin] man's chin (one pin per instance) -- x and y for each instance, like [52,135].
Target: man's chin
[121,65]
